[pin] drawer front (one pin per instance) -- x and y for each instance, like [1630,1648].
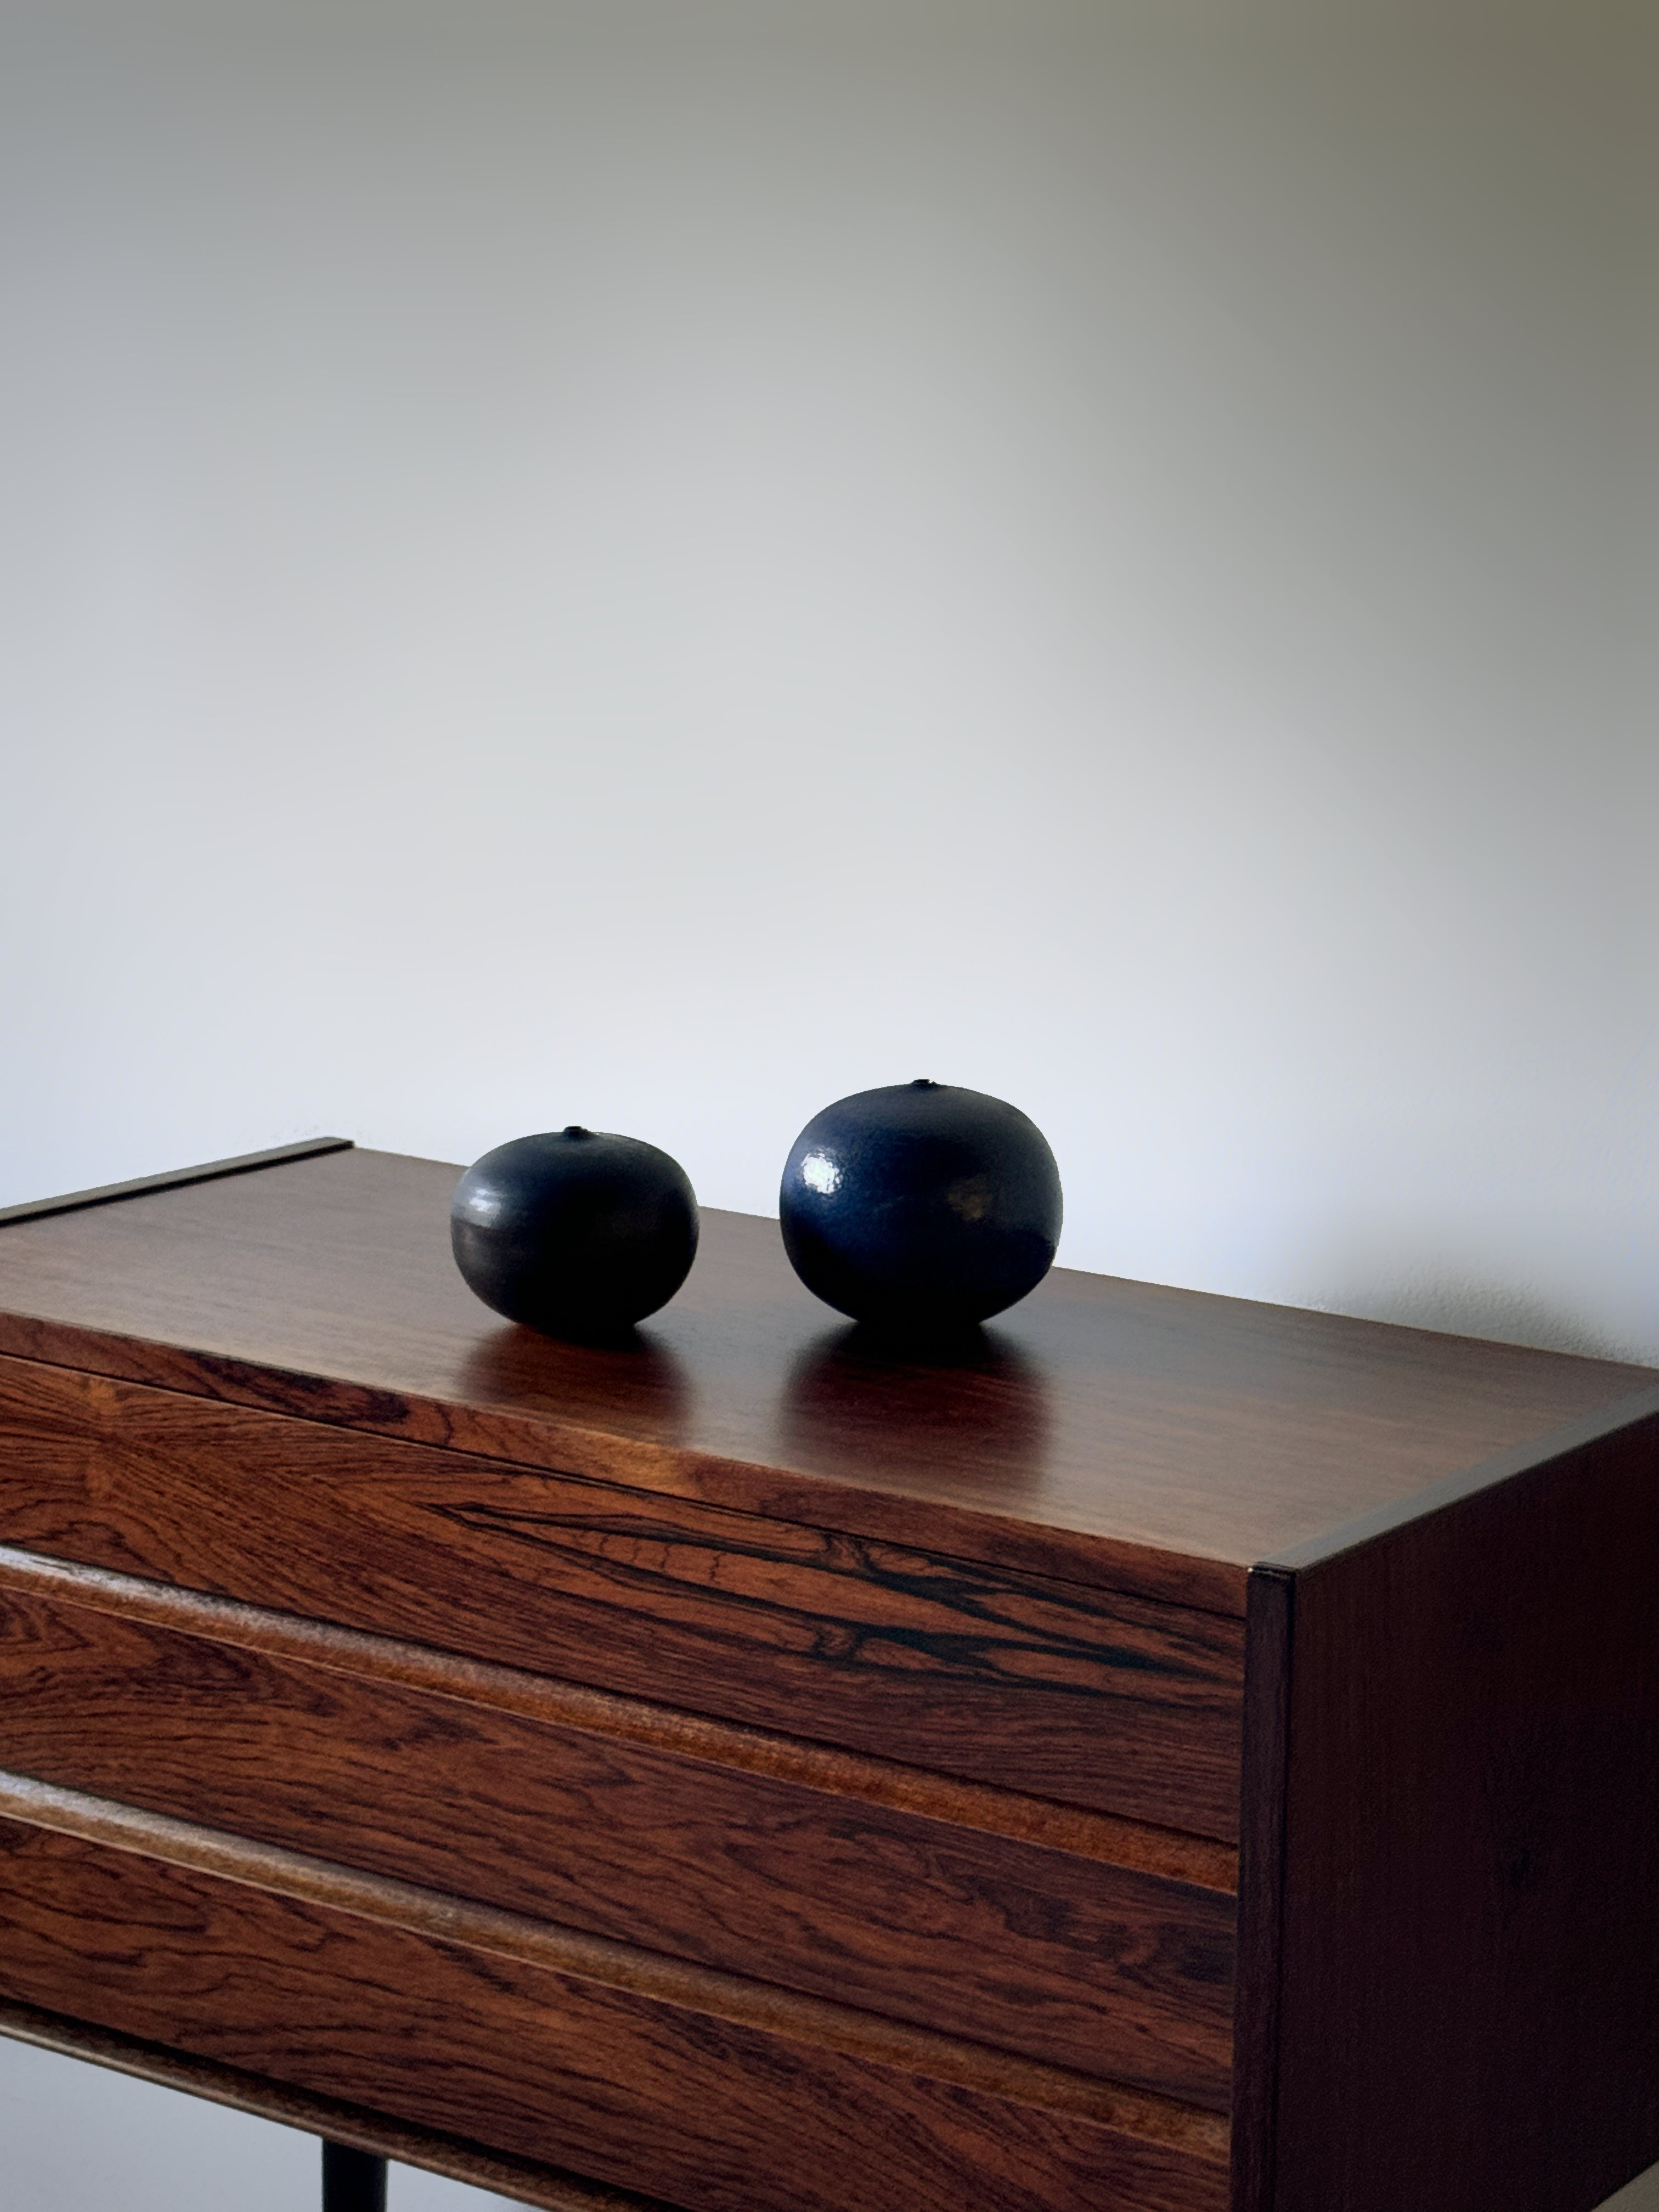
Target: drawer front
[1112,1970]
[1086,1696]
[476,2027]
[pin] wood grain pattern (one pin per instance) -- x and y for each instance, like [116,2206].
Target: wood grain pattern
[677,1983]
[830,1618]
[1150,1439]
[1171,1852]
[1471,1799]
[1104,1970]
[714,2113]
[523,2181]
[1091,1696]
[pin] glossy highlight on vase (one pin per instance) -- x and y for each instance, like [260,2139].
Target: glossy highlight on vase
[921,1208]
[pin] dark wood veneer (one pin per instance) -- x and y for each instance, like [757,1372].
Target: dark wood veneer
[1100,1967]
[1466,1837]
[716,2114]
[1052,1687]
[1156,1440]
[1116,1841]
[750,1772]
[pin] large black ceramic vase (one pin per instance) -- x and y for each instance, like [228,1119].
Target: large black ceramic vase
[574,1232]
[920,1208]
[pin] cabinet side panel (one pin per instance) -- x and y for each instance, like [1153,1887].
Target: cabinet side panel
[1260,1886]
[1469,1990]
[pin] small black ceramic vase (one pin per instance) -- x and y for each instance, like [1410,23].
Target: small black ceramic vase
[920,1208]
[574,1233]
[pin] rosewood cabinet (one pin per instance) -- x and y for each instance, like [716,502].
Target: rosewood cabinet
[1187,1754]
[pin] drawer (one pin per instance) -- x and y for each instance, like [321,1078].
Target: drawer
[715,2096]
[1122,1704]
[968,1911]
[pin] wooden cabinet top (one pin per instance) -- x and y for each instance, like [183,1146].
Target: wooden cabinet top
[1154,1440]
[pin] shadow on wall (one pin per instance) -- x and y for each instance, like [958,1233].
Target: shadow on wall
[1462,1305]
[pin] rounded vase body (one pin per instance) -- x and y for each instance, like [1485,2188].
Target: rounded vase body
[575,1233]
[920,1208]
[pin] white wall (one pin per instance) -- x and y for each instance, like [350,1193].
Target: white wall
[655,561]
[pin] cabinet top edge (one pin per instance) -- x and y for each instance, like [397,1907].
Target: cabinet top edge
[109,1194]
[1638,1409]
[1158,1440]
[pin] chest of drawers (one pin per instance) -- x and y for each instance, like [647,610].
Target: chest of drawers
[1182,1754]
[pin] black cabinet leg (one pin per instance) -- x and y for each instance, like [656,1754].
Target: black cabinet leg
[353,2180]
